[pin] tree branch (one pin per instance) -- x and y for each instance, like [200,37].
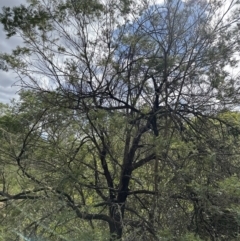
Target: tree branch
[144,161]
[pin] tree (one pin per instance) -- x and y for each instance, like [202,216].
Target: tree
[127,100]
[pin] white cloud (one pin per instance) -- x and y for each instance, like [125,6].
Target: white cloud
[8,90]
[8,79]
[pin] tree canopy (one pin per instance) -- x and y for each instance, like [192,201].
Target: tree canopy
[127,121]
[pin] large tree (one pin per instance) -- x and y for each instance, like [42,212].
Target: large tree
[121,109]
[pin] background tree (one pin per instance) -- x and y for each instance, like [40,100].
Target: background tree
[122,116]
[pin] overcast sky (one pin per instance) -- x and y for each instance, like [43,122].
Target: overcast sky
[7,79]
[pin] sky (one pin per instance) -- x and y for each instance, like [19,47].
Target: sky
[8,81]
[8,90]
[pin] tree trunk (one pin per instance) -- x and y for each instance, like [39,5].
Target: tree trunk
[116,227]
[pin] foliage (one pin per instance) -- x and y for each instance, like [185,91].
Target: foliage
[126,122]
